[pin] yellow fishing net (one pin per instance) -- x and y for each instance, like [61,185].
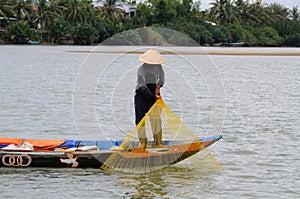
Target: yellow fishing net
[168,141]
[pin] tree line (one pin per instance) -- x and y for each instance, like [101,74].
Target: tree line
[78,22]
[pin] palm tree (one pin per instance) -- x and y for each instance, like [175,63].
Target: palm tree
[222,11]
[42,9]
[6,9]
[294,13]
[52,19]
[277,12]
[257,13]
[18,33]
[111,9]
[76,11]
[24,10]
[241,11]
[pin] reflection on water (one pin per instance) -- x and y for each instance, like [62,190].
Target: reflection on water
[143,186]
[171,181]
[174,181]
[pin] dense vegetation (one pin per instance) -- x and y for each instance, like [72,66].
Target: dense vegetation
[78,22]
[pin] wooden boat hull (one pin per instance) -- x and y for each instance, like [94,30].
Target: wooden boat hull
[151,157]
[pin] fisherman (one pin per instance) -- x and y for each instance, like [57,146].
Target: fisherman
[150,78]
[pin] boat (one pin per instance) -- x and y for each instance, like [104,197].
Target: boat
[33,42]
[16,152]
[234,44]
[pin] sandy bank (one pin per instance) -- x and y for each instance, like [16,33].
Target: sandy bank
[204,52]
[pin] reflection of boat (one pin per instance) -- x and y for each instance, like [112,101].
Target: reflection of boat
[32,42]
[234,44]
[92,154]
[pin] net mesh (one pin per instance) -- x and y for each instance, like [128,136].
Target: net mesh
[167,141]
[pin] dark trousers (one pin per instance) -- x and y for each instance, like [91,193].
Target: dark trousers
[142,106]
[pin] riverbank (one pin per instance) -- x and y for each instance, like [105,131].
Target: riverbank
[207,51]
[167,50]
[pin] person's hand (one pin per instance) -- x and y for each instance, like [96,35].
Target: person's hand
[157,92]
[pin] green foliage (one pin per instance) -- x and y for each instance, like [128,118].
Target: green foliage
[23,10]
[144,16]
[152,38]
[78,22]
[237,32]
[267,36]
[147,36]
[58,31]
[6,9]
[250,38]
[18,33]
[111,10]
[84,34]
[293,40]
[221,34]
[164,11]
[129,37]
[199,33]
[101,29]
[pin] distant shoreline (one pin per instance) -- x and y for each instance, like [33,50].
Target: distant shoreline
[230,51]
[204,52]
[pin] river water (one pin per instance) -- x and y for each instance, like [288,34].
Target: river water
[54,92]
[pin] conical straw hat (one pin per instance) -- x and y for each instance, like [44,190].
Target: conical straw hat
[152,56]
